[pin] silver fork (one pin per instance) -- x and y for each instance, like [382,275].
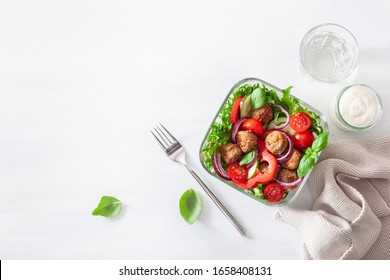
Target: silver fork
[176,152]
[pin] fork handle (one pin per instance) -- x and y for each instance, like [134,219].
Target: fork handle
[217,202]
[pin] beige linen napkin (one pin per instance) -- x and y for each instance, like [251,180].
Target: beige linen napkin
[350,217]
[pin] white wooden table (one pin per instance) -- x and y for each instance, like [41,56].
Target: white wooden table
[83,82]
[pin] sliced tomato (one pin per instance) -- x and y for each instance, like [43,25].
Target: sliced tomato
[273,192]
[237,172]
[303,140]
[235,113]
[261,177]
[253,125]
[300,122]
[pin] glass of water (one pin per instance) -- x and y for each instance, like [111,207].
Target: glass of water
[329,52]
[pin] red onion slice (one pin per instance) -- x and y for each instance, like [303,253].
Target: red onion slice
[282,125]
[254,159]
[216,161]
[289,185]
[236,128]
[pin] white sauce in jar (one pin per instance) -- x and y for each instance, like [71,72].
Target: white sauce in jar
[359,106]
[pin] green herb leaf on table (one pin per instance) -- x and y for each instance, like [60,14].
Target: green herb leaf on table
[258,98]
[108,207]
[190,206]
[247,158]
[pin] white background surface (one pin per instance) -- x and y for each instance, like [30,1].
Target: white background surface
[83,82]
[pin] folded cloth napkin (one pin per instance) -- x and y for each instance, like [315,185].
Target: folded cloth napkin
[350,216]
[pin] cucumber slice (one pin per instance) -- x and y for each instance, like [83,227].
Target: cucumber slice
[246,107]
[280,120]
[253,169]
[288,128]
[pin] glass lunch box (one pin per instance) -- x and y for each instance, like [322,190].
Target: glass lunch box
[292,194]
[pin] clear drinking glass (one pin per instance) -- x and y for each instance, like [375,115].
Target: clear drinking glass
[329,52]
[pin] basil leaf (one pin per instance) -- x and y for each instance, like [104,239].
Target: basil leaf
[190,206]
[247,158]
[306,165]
[309,151]
[108,207]
[258,98]
[311,154]
[320,142]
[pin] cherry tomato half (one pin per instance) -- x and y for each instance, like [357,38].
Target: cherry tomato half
[253,125]
[303,140]
[234,114]
[273,192]
[237,172]
[300,121]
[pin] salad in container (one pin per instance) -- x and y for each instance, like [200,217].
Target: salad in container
[264,142]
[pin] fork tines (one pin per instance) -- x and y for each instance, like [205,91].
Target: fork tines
[166,140]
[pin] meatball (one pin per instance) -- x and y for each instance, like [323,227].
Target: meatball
[287,176]
[246,140]
[293,161]
[231,153]
[276,142]
[263,167]
[264,114]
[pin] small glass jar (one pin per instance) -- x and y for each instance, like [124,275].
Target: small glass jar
[356,108]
